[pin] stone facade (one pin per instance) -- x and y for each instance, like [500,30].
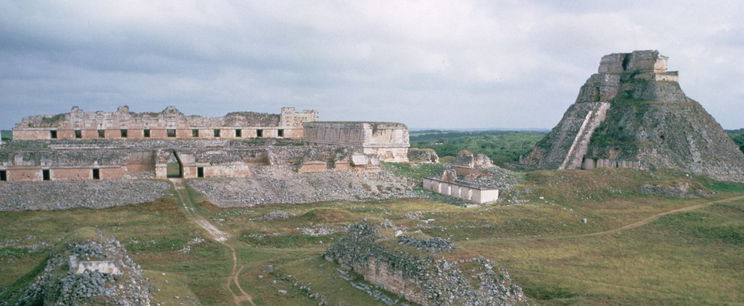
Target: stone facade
[115,159]
[388,141]
[168,124]
[449,185]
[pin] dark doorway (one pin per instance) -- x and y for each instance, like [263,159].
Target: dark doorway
[238,133]
[45,175]
[78,134]
[96,174]
[216,133]
[3,176]
[101,133]
[53,134]
[171,132]
[124,133]
[146,133]
[259,133]
[174,167]
[200,172]
[280,133]
[194,133]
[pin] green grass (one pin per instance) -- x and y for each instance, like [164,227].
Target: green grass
[688,258]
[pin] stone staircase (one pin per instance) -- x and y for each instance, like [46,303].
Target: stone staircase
[580,144]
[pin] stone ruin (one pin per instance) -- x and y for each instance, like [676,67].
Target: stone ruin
[470,167]
[126,145]
[426,271]
[97,271]
[168,124]
[633,114]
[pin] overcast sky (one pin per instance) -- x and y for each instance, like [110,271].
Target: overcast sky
[429,64]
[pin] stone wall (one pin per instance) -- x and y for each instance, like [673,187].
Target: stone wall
[388,141]
[168,124]
[378,273]
[462,190]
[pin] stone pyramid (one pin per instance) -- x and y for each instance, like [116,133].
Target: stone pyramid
[633,114]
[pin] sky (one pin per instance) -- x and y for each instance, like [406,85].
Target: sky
[429,64]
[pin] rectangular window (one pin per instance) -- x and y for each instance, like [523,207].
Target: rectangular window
[238,133]
[96,174]
[78,134]
[3,176]
[101,133]
[171,132]
[259,133]
[194,133]
[53,134]
[280,132]
[216,133]
[200,172]
[147,133]
[45,175]
[124,133]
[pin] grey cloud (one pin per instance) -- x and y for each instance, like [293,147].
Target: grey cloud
[466,64]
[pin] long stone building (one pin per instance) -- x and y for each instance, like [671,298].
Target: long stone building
[168,124]
[122,144]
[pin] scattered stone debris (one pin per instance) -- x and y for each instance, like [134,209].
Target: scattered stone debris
[435,244]
[416,215]
[193,242]
[273,185]
[679,190]
[387,223]
[318,231]
[424,279]
[92,272]
[57,195]
[275,215]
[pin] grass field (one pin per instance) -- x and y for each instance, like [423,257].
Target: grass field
[691,257]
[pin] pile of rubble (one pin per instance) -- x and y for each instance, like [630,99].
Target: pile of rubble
[274,185]
[91,272]
[56,195]
[435,244]
[428,279]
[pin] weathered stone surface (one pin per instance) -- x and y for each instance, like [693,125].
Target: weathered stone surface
[78,193]
[422,156]
[427,277]
[650,123]
[123,124]
[63,282]
[272,185]
[388,141]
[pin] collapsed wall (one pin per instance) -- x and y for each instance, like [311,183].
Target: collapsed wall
[427,271]
[633,114]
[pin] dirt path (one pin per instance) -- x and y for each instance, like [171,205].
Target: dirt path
[659,215]
[217,235]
